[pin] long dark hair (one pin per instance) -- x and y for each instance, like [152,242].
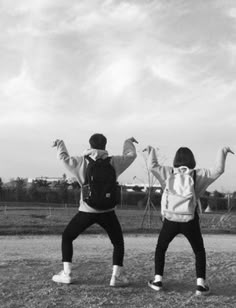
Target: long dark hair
[184,157]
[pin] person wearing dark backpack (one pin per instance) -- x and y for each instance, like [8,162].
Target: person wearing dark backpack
[182,187]
[97,174]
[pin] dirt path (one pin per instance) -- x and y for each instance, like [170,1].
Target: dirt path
[45,247]
[28,263]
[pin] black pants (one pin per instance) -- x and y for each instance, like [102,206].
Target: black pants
[191,230]
[81,221]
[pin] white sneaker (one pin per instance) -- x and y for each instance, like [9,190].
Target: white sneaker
[203,290]
[157,286]
[119,281]
[62,277]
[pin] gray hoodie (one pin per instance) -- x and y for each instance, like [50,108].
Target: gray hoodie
[204,177]
[77,165]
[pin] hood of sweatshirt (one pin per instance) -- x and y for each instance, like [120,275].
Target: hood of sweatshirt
[96,154]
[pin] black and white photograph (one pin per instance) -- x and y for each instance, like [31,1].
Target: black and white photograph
[118,157]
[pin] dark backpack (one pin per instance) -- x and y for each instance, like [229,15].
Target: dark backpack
[100,189]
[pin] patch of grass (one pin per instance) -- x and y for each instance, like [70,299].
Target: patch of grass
[52,220]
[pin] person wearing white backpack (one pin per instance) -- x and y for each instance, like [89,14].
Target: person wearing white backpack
[182,187]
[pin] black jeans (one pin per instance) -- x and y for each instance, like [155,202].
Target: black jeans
[191,230]
[81,221]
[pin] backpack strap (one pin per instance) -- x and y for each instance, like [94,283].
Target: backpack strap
[89,159]
[199,206]
[92,160]
[108,159]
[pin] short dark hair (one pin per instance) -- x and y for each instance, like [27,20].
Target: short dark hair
[98,141]
[184,157]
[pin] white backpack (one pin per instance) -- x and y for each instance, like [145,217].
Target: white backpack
[178,201]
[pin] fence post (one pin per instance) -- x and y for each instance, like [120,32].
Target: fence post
[228,202]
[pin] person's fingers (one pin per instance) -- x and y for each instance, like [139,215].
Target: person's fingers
[54,144]
[134,140]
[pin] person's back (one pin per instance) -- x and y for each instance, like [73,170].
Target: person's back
[191,227]
[97,174]
[78,165]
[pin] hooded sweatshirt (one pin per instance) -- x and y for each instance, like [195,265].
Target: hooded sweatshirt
[77,165]
[204,177]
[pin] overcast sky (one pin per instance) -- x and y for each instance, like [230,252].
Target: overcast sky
[161,71]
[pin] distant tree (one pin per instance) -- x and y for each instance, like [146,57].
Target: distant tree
[75,185]
[234,195]
[33,191]
[39,191]
[218,194]
[20,189]
[137,188]
[76,191]
[41,183]
[63,189]
[206,194]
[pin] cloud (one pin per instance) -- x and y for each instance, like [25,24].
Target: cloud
[22,102]
[120,72]
[230,48]
[72,51]
[232,12]
[144,68]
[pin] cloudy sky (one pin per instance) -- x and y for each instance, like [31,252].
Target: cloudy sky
[162,71]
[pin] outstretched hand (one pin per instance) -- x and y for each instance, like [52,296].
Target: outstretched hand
[54,144]
[148,149]
[133,140]
[229,150]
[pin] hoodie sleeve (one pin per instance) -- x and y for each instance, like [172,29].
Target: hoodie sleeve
[160,172]
[74,164]
[205,177]
[122,162]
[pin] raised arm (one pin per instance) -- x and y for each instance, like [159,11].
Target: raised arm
[122,162]
[221,159]
[160,172]
[70,162]
[206,177]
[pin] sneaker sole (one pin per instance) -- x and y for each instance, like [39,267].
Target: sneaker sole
[59,281]
[154,287]
[199,293]
[115,282]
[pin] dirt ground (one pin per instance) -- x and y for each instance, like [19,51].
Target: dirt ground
[28,247]
[27,264]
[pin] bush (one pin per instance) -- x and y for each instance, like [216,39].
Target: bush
[140,199]
[218,204]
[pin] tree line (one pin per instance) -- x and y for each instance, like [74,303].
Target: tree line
[64,192]
[40,190]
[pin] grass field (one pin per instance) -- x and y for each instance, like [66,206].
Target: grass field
[27,264]
[52,220]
